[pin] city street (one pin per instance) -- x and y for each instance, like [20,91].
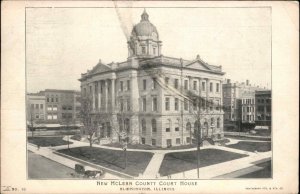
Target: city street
[40,167]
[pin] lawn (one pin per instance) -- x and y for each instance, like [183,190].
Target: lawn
[266,172]
[149,147]
[48,141]
[248,138]
[183,161]
[113,159]
[252,146]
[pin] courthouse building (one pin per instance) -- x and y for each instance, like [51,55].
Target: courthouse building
[146,95]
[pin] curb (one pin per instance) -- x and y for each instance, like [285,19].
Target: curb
[123,175]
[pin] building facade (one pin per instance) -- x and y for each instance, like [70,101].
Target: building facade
[239,105]
[36,109]
[147,96]
[263,101]
[59,106]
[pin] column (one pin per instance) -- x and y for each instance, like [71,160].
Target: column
[221,95]
[93,94]
[207,94]
[99,94]
[113,94]
[106,95]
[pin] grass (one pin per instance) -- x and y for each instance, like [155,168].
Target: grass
[252,146]
[48,141]
[248,138]
[113,159]
[266,172]
[149,147]
[183,161]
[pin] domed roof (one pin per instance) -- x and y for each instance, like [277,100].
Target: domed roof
[144,28]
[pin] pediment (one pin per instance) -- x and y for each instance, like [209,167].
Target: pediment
[198,65]
[100,68]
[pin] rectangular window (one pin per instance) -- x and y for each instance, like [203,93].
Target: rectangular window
[154,51]
[128,85]
[176,128]
[154,104]
[143,140]
[176,103]
[195,85]
[143,50]
[167,129]
[49,108]
[54,108]
[185,84]
[41,106]
[48,100]
[194,104]
[128,105]
[37,116]
[54,117]
[144,104]
[217,87]
[176,83]
[154,83]
[169,142]
[188,140]
[217,105]
[49,117]
[144,84]
[154,142]
[166,80]
[177,140]
[37,106]
[203,86]
[186,104]
[121,86]
[211,87]
[121,105]
[167,103]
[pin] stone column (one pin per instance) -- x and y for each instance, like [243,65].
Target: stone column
[207,94]
[93,94]
[112,95]
[99,94]
[106,95]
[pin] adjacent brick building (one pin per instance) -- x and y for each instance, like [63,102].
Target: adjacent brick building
[263,101]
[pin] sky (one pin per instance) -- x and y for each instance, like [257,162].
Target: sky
[62,43]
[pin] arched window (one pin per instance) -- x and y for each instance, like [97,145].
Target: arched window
[153,123]
[188,126]
[218,123]
[143,126]
[127,125]
[212,121]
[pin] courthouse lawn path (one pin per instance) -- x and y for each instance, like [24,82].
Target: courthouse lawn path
[48,141]
[183,161]
[113,159]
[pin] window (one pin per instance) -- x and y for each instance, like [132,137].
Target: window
[176,103]
[176,83]
[154,142]
[143,140]
[217,104]
[203,86]
[195,85]
[48,100]
[248,109]
[186,104]
[128,104]
[41,106]
[121,105]
[52,100]
[37,116]
[211,104]
[49,117]
[49,107]
[153,124]
[176,128]
[128,85]
[217,87]
[218,123]
[177,140]
[194,104]
[203,103]
[188,126]
[32,106]
[167,103]
[154,104]
[144,84]
[212,122]
[169,142]
[90,89]
[121,86]
[188,140]
[54,117]
[211,87]
[56,99]
[154,51]
[37,106]
[143,50]
[143,126]
[185,84]
[154,83]
[144,104]
[166,80]
[54,108]
[168,125]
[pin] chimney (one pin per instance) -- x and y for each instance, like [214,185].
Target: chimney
[228,81]
[247,82]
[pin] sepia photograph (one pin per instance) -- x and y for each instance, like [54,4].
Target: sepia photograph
[134,97]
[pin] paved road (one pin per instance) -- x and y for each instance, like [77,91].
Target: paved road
[43,168]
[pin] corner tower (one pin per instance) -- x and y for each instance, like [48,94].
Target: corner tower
[144,40]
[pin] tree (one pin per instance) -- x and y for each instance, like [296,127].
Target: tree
[31,127]
[86,115]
